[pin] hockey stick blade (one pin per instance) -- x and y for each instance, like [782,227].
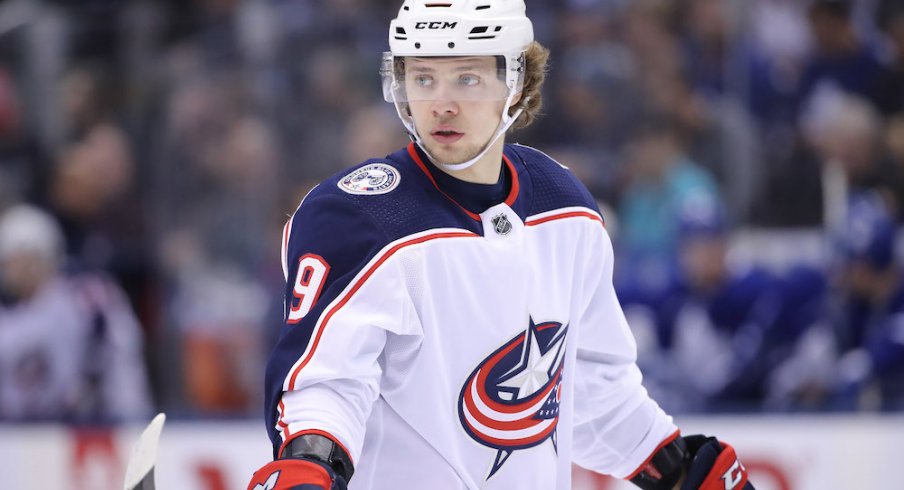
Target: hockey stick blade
[140,469]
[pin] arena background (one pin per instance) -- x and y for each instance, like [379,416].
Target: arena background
[169,140]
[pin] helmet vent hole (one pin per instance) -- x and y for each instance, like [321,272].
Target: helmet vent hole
[482,7]
[417,45]
[481,32]
[451,45]
[429,5]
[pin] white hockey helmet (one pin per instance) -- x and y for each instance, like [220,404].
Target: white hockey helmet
[455,28]
[28,229]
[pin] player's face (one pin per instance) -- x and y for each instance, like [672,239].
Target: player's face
[456,103]
[23,273]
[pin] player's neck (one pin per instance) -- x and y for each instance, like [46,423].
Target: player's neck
[484,171]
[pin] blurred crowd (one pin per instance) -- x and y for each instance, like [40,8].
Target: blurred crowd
[150,152]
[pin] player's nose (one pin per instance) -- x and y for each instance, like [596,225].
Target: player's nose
[444,103]
[444,107]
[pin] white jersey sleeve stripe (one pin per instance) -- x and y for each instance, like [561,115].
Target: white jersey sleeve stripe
[284,248]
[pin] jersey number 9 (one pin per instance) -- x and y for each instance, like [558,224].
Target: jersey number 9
[312,272]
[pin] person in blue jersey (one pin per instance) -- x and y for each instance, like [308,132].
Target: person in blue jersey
[870,327]
[753,317]
[742,318]
[450,320]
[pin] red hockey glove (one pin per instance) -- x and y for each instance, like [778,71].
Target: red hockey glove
[296,474]
[714,466]
[705,463]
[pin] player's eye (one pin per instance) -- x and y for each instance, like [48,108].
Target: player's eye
[423,80]
[469,80]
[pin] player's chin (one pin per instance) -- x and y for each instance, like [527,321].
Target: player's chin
[449,154]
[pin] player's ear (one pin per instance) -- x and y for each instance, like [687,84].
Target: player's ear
[517,99]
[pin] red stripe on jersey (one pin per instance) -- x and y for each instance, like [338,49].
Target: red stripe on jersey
[570,214]
[517,442]
[524,422]
[281,425]
[483,374]
[516,187]
[509,200]
[351,292]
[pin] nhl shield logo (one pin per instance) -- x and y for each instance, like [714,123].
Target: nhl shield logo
[501,224]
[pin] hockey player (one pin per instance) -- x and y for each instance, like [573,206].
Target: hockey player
[450,320]
[70,345]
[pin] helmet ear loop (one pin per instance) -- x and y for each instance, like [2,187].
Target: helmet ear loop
[514,89]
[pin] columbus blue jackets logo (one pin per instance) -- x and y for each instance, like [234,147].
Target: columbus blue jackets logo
[376,178]
[511,400]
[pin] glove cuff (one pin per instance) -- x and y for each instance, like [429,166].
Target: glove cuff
[664,468]
[318,446]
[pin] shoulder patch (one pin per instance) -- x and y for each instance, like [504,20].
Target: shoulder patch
[374,178]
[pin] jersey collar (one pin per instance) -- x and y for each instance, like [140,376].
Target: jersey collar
[510,168]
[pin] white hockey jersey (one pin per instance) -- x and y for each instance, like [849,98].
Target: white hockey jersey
[73,353]
[447,349]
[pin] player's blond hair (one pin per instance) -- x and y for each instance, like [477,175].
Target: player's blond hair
[536,59]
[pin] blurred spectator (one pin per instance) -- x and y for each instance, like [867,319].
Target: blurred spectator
[23,165]
[845,130]
[663,183]
[870,330]
[841,58]
[721,329]
[709,46]
[372,130]
[103,224]
[220,314]
[70,346]
[219,166]
[704,307]
[890,94]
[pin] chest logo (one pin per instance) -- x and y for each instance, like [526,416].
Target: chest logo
[511,400]
[376,178]
[501,224]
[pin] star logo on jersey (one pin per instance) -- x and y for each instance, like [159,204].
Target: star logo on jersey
[511,400]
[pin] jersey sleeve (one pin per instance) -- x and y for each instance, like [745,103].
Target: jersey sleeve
[617,425]
[341,299]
